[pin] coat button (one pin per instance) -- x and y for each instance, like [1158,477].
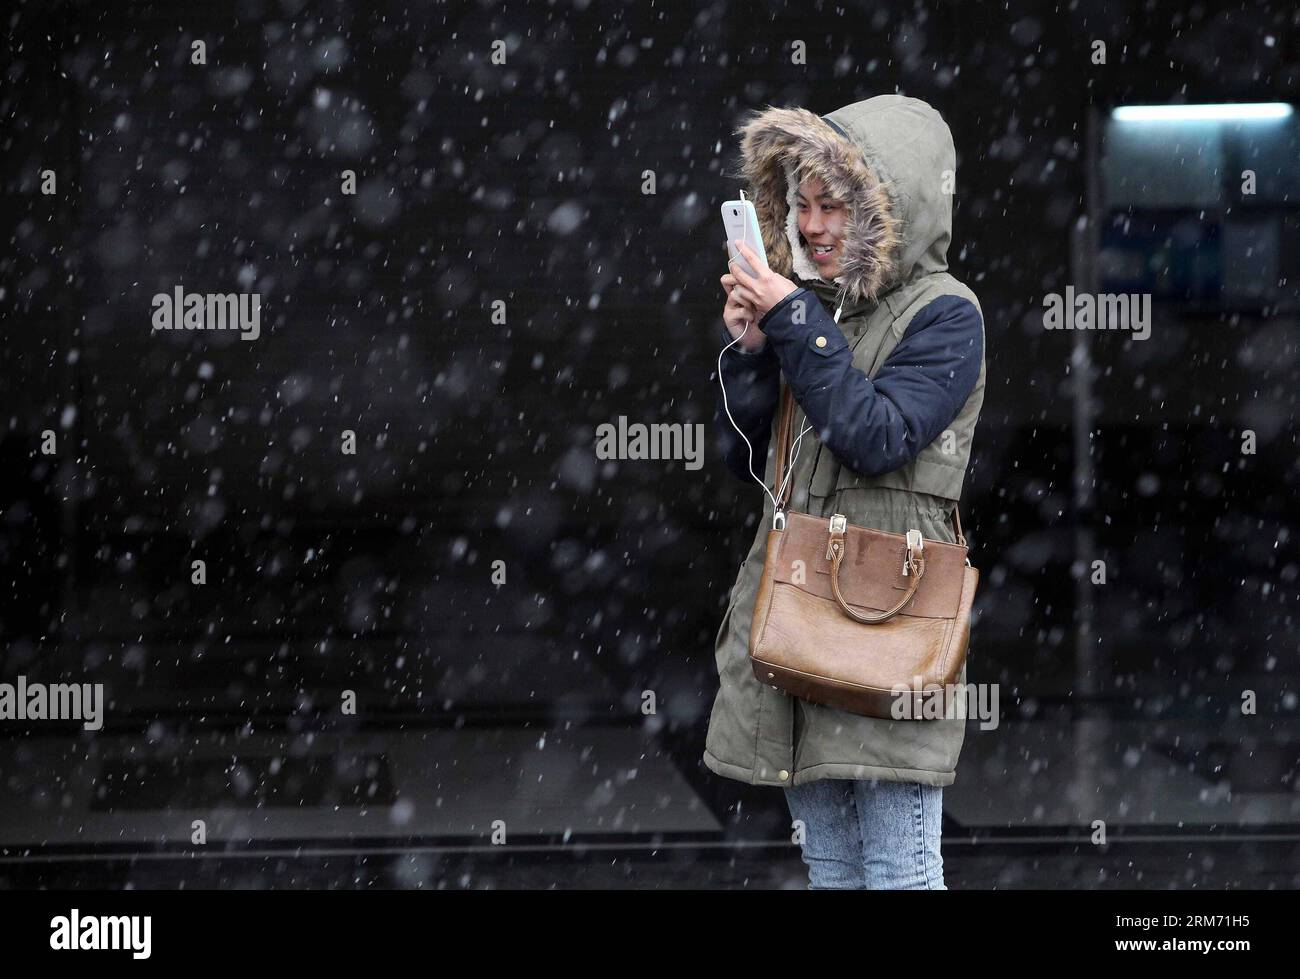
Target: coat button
[783,775]
[821,341]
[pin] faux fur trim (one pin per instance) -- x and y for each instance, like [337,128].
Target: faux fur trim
[780,148]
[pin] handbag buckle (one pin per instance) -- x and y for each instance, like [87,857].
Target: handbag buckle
[839,523]
[915,543]
[778,520]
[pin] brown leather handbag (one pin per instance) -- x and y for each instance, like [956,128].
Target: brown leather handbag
[856,618]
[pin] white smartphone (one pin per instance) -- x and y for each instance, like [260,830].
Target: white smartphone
[741,221]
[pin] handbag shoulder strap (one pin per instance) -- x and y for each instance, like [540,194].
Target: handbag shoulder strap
[785,422]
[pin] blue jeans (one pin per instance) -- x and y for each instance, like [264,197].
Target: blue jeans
[870,834]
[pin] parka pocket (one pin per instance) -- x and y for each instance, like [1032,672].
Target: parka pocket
[731,604]
[726,617]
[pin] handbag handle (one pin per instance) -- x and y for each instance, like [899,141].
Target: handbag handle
[915,563]
[785,422]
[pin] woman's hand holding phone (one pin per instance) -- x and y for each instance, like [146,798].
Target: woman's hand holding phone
[737,314]
[762,291]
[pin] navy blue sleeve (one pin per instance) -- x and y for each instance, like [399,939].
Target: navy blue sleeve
[877,426]
[753,388]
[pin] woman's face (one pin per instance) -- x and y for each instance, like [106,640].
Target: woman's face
[821,222]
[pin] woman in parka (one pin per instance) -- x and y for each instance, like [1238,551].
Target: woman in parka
[886,365]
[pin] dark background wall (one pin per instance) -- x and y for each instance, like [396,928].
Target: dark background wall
[480,182]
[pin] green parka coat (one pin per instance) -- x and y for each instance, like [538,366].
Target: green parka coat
[892,160]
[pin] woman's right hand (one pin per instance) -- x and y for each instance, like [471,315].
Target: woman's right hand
[736,314]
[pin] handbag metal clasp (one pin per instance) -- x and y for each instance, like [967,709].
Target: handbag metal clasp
[839,524]
[915,542]
[778,520]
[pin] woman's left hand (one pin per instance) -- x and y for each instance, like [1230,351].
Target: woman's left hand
[762,291]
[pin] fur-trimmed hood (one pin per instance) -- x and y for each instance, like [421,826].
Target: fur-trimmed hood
[890,158]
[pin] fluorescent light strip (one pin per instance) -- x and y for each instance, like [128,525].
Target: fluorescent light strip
[1222,112]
